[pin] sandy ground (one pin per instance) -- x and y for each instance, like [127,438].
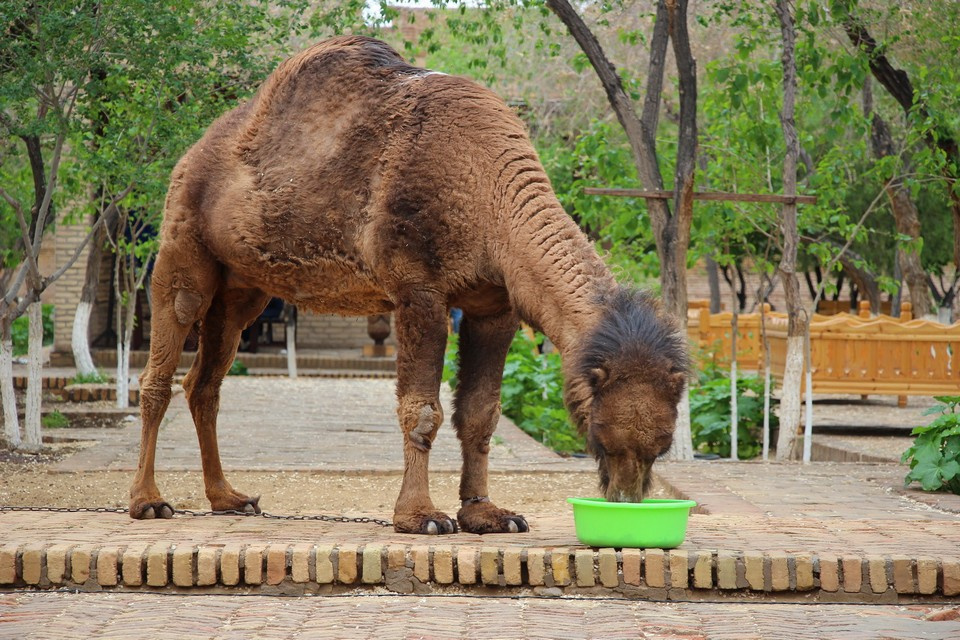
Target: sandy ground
[284,492]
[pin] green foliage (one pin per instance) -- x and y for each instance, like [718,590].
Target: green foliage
[20,330]
[710,414]
[97,377]
[55,420]
[935,454]
[238,369]
[531,393]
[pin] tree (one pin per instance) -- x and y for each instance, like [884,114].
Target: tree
[798,321]
[671,228]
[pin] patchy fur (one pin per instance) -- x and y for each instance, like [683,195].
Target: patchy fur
[354,183]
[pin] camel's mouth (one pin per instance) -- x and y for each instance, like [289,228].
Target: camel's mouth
[624,480]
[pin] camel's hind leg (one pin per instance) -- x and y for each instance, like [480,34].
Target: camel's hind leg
[231,311]
[484,343]
[184,281]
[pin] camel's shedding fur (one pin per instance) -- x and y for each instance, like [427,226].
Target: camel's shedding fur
[354,183]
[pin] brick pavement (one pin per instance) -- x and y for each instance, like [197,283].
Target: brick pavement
[38,616]
[821,532]
[315,424]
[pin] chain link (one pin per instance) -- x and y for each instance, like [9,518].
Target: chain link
[189,512]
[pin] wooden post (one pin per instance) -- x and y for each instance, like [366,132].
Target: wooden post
[906,312]
[864,308]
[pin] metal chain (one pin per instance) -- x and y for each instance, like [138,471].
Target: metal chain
[188,512]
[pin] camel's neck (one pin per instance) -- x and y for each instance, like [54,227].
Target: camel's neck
[552,271]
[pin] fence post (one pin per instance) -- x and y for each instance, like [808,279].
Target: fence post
[705,328]
[906,311]
[864,307]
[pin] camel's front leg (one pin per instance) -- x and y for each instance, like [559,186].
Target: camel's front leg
[484,343]
[421,340]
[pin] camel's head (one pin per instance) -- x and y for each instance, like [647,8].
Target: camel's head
[624,391]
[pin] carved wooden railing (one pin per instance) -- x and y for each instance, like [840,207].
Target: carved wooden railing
[876,355]
[711,337]
[850,354]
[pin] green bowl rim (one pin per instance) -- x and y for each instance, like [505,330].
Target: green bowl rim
[650,503]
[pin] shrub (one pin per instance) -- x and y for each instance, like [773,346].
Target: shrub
[90,378]
[20,330]
[935,454]
[532,392]
[238,369]
[55,420]
[710,414]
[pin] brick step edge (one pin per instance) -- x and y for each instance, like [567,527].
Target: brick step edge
[632,573]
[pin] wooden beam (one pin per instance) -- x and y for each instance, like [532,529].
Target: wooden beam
[702,195]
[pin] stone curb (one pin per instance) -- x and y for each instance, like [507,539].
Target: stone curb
[633,573]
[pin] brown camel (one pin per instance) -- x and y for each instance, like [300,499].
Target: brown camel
[354,183]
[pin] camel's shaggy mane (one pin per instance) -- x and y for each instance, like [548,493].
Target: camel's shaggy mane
[633,329]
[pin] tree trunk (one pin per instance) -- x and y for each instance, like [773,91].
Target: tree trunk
[734,413]
[126,316]
[31,424]
[11,422]
[898,85]
[905,214]
[290,331]
[765,452]
[80,339]
[671,232]
[797,319]
[713,279]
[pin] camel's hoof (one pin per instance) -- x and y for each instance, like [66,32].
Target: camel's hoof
[151,510]
[431,525]
[239,503]
[486,518]
[436,527]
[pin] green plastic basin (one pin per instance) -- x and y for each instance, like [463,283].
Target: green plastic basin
[652,523]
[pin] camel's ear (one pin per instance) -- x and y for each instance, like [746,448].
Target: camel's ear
[676,382]
[598,378]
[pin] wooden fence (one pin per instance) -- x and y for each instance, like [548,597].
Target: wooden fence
[850,354]
[711,336]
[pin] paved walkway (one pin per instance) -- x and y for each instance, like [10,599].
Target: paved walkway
[308,424]
[55,615]
[825,532]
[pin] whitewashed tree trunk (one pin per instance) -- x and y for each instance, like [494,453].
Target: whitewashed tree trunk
[734,413]
[790,398]
[290,329]
[682,447]
[79,340]
[126,316]
[766,408]
[808,421]
[32,439]
[11,422]
[765,454]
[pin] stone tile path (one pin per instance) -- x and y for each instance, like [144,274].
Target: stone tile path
[37,616]
[308,424]
[820,532]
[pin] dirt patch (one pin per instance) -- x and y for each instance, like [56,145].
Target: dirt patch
[287,492]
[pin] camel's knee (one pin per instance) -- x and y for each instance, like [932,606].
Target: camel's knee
[155,392]
[476,426]
[186,305]
[420,421]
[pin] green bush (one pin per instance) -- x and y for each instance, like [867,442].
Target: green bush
[935,454]
[20,330]
[710,414]
[238,369]
[55,420]
[531,394]
[96,377]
